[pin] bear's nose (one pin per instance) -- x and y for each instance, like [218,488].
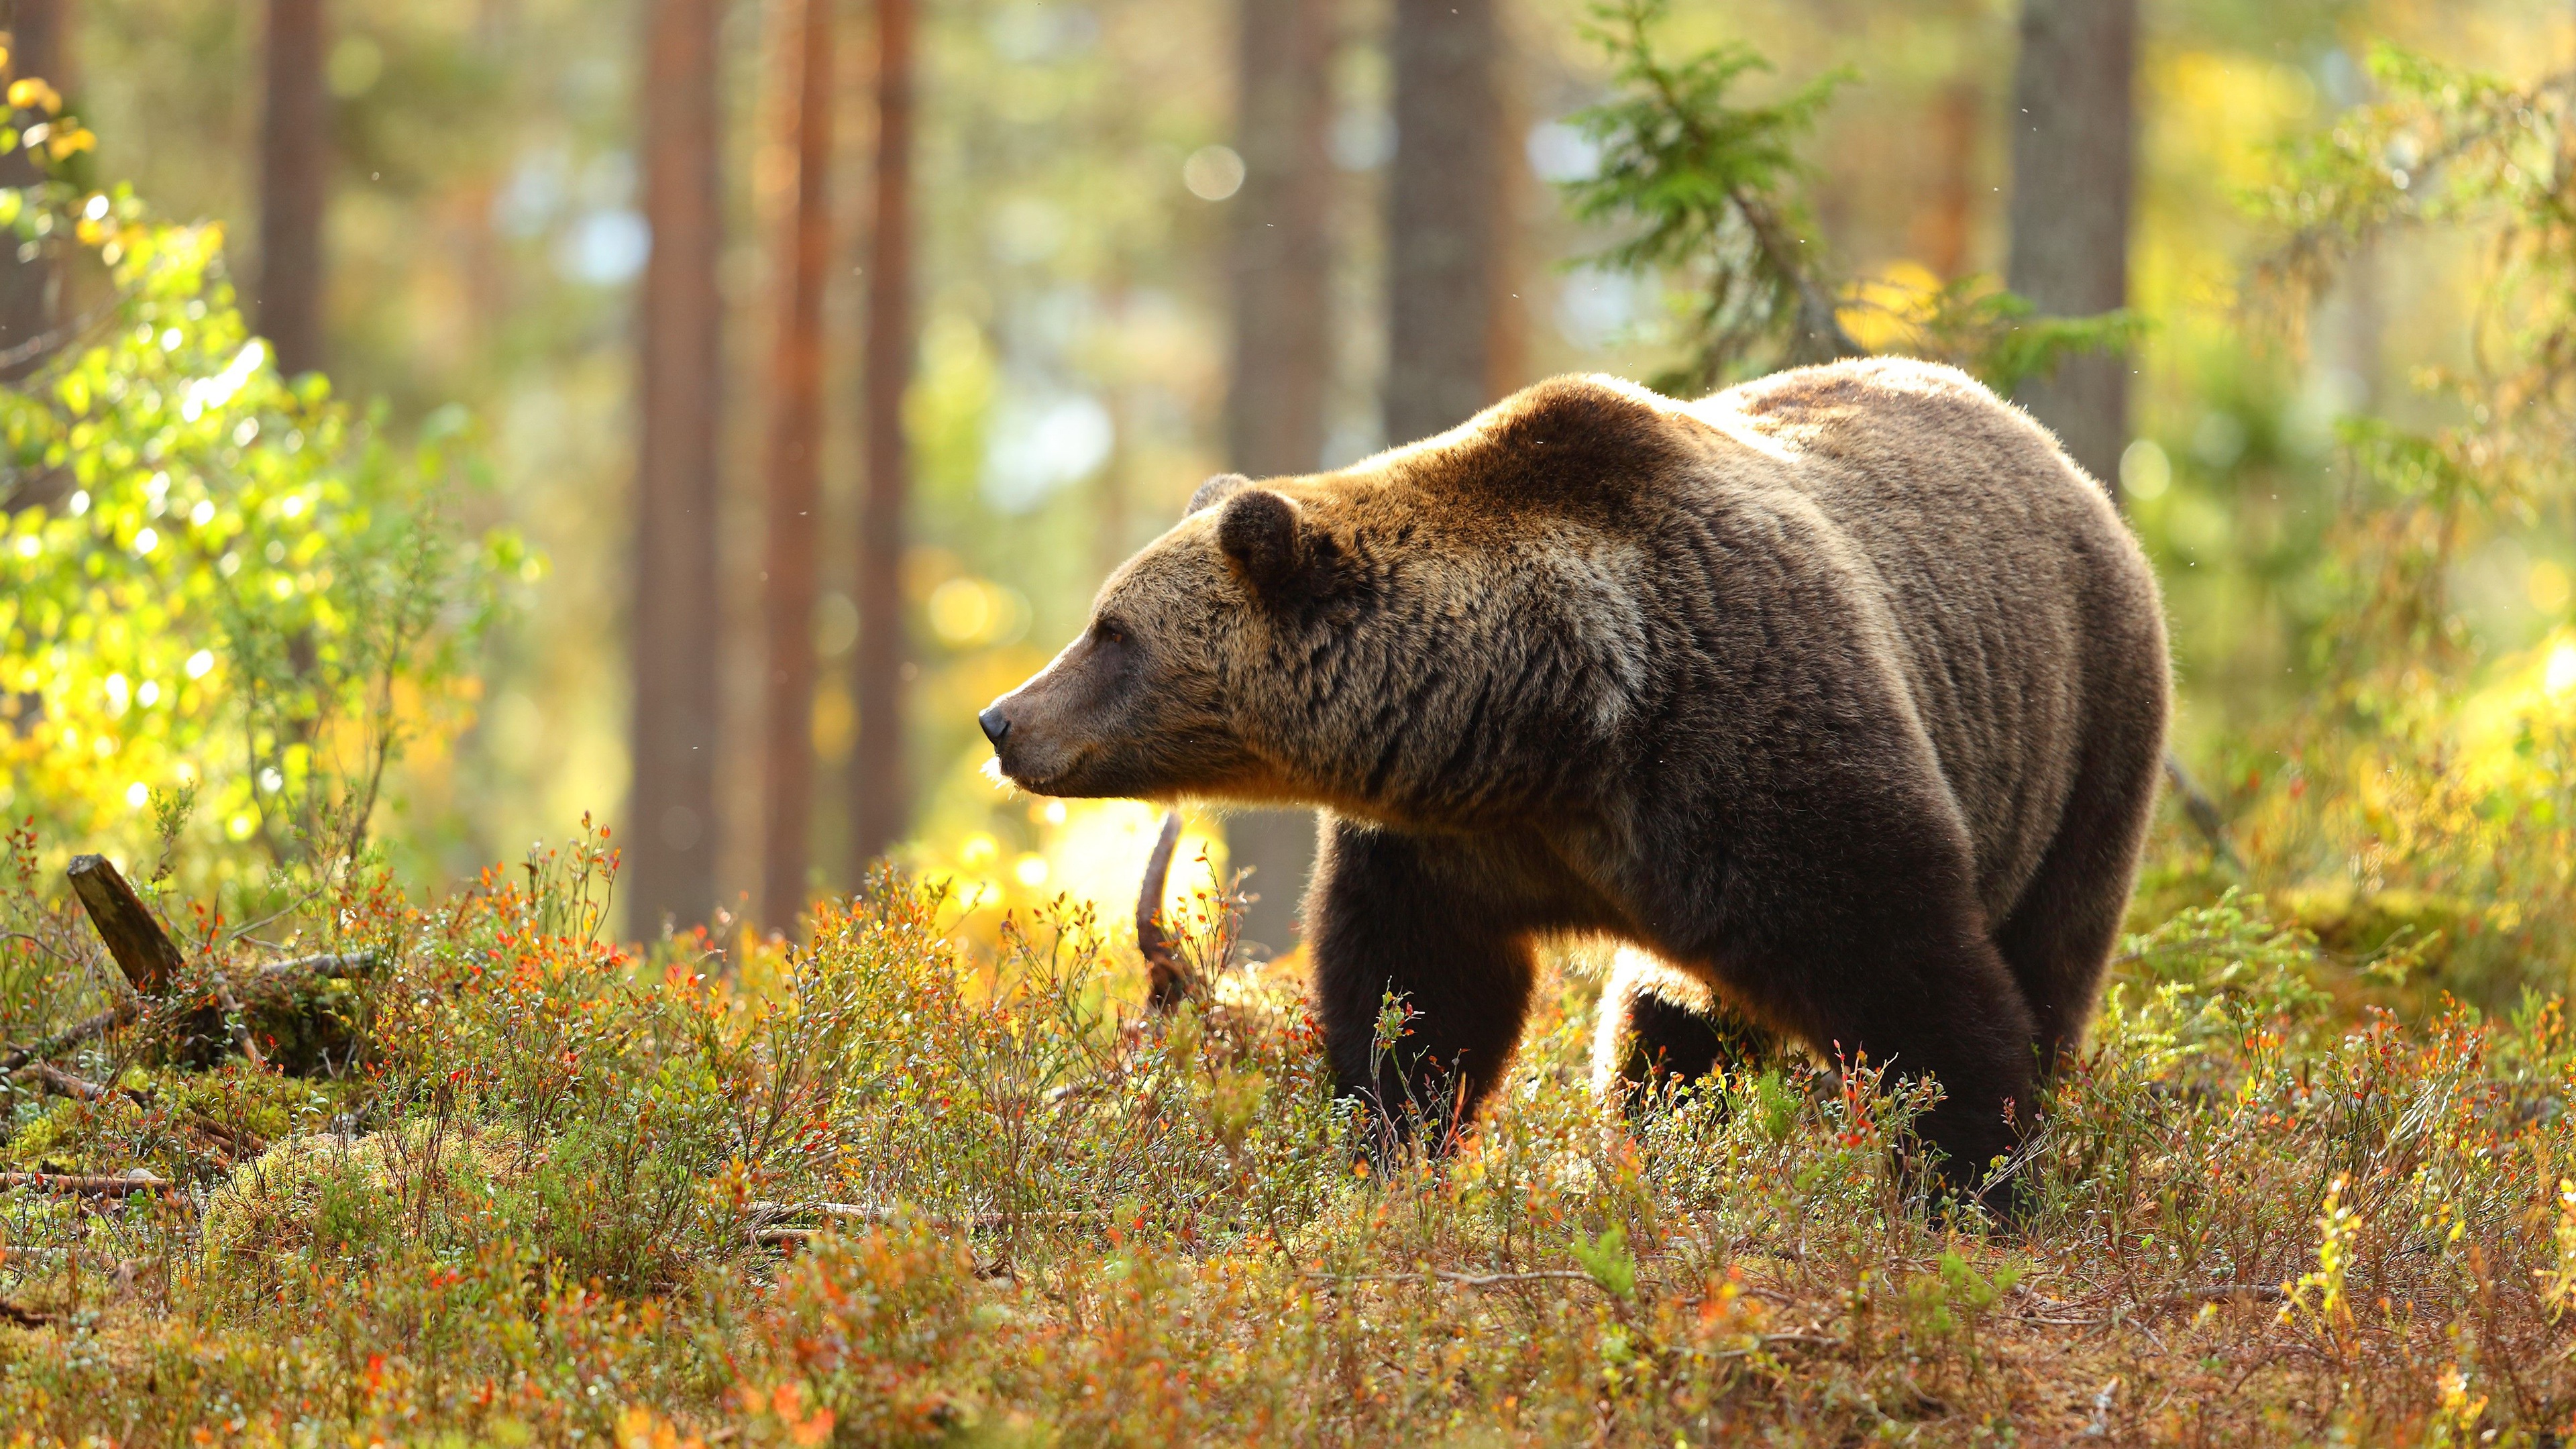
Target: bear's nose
[995,726]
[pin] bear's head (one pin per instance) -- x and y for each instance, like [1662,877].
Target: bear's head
[1394,640]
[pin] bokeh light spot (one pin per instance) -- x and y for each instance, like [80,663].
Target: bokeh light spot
[2559,675]
[1213,173]
[2145,471]
[2548,586]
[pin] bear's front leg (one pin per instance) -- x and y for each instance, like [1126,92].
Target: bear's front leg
[1432,921]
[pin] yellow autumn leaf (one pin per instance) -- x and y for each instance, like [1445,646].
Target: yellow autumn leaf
[638,1427]
[76,138]
[33,93]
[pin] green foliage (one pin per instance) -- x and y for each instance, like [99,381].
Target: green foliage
[1708,191]
[2215,971]
[221,590]
[2456,150]
[1706,185]
[2413,813]
[1608,1260]
[1999,336]
[1952,1300]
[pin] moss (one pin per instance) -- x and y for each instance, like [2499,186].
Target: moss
[268,1104]
[357,1200]
[2364,924]
[45,1143]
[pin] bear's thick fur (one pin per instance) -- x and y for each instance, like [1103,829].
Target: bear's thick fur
[1840,694]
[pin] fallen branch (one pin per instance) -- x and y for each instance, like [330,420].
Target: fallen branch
[1457,1279]
[143,951]
[1493,1280]
[2201,811]
[782,1237]
[870,1213]
[132,1184]
[353,963]
[233,1140]
[776,1212]
[153,966]
[2216,1292]
[63,1084]
[236,1142]
[272,977]
[2240,1293]
[1168,982]
[26,1317]
[126,1010]
[766,1218]
[1767,1340]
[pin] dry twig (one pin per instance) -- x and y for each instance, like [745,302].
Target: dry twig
[126,1010]
[240,1026]
[130,1185]
[766,1219]
[2217,1293]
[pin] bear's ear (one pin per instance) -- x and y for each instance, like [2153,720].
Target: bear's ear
[1215,491]
[1262,532]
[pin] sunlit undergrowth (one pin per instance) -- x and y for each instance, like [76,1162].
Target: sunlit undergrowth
[884,1190]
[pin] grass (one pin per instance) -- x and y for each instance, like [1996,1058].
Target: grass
[887,1190]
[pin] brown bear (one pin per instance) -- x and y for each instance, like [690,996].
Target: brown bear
[1841,694]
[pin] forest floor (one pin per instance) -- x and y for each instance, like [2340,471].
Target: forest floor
[892,1189]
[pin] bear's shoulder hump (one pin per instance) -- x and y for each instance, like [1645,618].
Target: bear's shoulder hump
[1568,440]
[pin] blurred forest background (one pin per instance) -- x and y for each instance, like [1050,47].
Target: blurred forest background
[827,355]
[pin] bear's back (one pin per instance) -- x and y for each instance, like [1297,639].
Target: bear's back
[2021,605]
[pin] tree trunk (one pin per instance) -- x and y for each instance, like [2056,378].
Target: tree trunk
[30,301]
[795,488]
[2073,156]
[1518,214]
[1942,227]
[671,814]
[1444,201]
[294,185]
[1281,269]
[1113,522]
[879,807]
[40,41]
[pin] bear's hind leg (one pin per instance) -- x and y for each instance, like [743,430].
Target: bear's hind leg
[1925,996]
[1957,1016]
[1657,1025]
[2059,936]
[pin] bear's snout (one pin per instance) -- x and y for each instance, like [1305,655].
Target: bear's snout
[1032,744]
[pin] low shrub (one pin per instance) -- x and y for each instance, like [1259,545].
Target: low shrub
[884,1189]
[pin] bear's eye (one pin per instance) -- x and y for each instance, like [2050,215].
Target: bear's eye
[1110,631]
